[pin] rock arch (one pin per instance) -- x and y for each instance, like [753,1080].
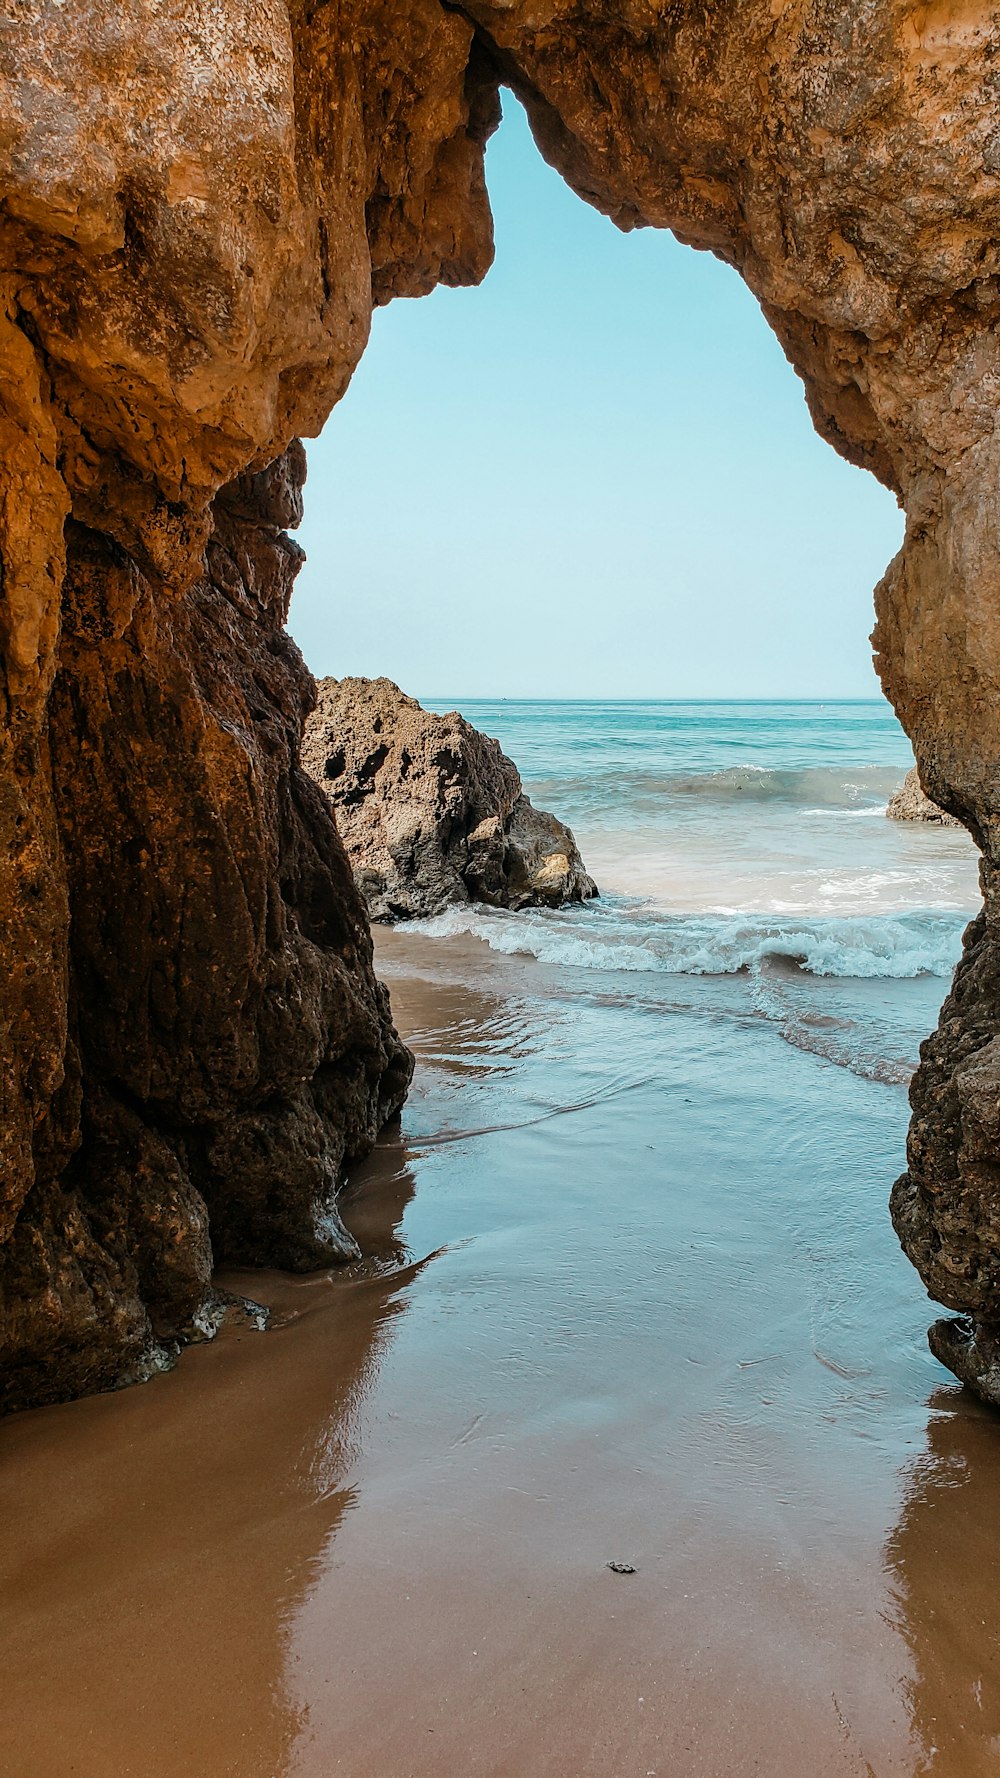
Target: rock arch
[201,205]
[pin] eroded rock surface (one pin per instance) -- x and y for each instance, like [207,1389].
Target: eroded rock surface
[200,206]
[227,1046]
[910,804]
[946,1207]
[430,810]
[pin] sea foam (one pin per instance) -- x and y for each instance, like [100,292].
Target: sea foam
[622,935]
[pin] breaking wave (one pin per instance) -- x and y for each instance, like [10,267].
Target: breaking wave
[619,934]
[849,788]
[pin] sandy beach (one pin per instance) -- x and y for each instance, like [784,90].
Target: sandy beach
[629,1295]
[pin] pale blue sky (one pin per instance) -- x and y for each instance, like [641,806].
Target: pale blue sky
[593,476]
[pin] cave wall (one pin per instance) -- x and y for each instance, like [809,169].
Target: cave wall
[200,206]
[227,1047]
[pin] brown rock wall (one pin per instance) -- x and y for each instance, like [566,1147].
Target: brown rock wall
[228,1045]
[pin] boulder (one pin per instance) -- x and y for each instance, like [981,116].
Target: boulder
[910,803]
[432,812]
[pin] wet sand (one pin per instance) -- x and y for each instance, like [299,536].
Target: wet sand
[629,1294]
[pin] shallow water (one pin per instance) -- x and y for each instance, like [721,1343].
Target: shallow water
[736,809]
[743,839]
[630,1294]
[661,1319]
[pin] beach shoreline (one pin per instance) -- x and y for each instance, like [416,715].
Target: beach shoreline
[629,1294]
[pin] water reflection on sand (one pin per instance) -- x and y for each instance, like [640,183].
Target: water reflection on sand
[158,1543]
[944,1555]
[663,1321]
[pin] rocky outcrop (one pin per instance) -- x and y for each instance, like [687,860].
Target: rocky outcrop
[431,811]
[946,1207]
[910,804]
[201,204]
[227,1048]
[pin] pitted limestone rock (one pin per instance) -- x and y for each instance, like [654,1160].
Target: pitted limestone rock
[430,810]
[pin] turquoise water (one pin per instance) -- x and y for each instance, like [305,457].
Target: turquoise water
[661,740]
[743,840]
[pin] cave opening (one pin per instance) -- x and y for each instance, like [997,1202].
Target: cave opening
[166,351]
[594,475]
[595,480]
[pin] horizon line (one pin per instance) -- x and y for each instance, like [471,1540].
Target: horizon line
[656,698]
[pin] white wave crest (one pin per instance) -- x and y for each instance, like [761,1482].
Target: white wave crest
[622,935]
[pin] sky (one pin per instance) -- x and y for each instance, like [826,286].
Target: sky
[593,476]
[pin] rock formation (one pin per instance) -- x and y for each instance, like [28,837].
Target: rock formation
[431,812]
[227,1047]
[910,804]
[201,203]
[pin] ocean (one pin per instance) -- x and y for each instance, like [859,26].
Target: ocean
[748,841]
